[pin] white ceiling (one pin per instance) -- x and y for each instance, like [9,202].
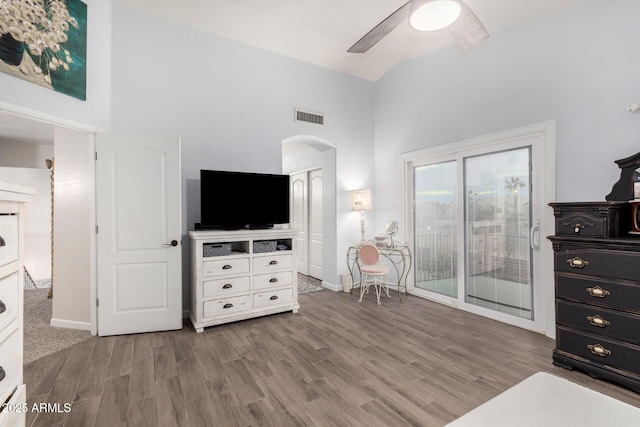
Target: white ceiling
[320,31]
[314,31]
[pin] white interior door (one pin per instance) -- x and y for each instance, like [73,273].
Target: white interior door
[315,223]
[139,234]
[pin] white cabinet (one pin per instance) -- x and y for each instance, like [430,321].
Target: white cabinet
[12,389]
[241,274]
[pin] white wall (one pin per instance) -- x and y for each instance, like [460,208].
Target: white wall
[233,105]
[20,154]
[74,235]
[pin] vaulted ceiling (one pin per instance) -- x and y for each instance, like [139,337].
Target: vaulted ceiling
[321,31]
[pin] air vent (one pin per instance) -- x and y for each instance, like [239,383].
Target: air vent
[309,117]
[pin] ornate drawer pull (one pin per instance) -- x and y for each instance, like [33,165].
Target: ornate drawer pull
[274,280]
[227,286]
[577,228]
[228,305]
[577,262]
[273,298]
[226,267]
[274,262]
[598,321]
[599,350]
[598,292]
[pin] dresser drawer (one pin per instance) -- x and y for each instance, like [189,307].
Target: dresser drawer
[599,321]
[616,294]
[265,299]
[10,364]
[221,287]
[15,413]
[591,219]
[9,288]
[9,237]
[226,306]
[225,266]
[600,350]
[599,262]
[283,278]
[263,264]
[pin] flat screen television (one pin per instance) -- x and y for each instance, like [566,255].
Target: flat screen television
[236,200]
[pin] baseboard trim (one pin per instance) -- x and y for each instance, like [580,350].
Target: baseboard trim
[331,286]
[70,324]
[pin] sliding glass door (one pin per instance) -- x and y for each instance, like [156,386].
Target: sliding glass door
[436,228]
[475,215]
[497,231]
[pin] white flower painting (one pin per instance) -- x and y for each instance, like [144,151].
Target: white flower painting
[44,42]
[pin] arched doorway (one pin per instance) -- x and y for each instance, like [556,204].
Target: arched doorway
[311,162]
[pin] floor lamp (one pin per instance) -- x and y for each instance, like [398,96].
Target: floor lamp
[361,201]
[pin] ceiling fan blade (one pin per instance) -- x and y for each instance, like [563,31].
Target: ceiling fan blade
[468,30]
[381,30]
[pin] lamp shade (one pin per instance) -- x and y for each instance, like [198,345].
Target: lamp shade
[361,200]
[431,15]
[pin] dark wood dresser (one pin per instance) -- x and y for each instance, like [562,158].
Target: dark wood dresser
[597,288]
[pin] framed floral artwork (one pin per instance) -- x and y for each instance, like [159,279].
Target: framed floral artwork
[45,42]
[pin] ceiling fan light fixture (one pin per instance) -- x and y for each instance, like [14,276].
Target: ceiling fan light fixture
[432,15]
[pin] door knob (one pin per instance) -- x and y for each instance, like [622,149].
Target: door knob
[173,243]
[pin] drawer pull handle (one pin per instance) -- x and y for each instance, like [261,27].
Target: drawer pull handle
[598,321]
[227,305]
[274,262]
[2,373]
[598,292]
[577,262]
[273,298]
[599,350]
[226,267]
[273,280]
[227,286]
[3,307]
[577,228]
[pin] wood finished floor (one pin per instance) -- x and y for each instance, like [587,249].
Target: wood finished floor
[335,363]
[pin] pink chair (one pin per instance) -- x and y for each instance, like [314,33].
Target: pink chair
[371,272]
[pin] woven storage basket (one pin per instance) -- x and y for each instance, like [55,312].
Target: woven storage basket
[264,246]
[216,249]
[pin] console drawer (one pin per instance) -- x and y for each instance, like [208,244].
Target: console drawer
[265,299]
[226,306]
[9,363]
[9,288]
[600,350]
[8,235]
[221,287]
[599,321]
[225,266]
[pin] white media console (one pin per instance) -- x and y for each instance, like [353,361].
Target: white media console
[240,274]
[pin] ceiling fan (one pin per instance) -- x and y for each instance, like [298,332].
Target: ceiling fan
[429,15]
